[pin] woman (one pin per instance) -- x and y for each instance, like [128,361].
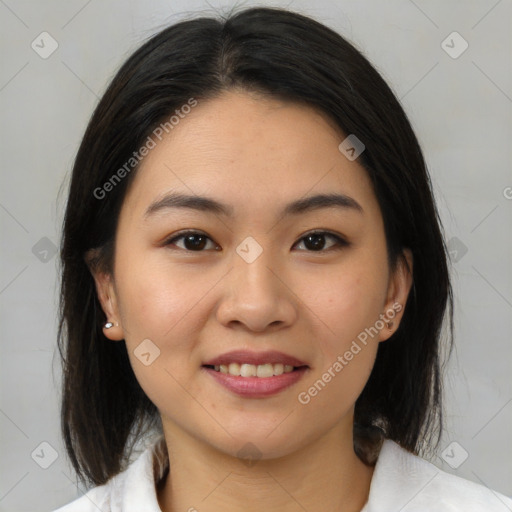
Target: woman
[254,273]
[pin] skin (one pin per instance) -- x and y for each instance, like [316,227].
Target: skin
[254,154]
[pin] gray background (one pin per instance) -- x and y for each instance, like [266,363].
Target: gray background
[460,107]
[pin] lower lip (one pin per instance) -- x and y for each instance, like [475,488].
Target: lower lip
[257,387]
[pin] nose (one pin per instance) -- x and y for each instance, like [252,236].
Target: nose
[256,296]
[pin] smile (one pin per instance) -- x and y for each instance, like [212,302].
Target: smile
[252,374]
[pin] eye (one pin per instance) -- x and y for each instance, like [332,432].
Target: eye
[193,241]
[315,240]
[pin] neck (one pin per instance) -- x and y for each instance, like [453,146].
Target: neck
[324,475]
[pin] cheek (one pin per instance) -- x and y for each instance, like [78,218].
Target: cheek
[162,306]
[348,302]
[348,307]
[155,300]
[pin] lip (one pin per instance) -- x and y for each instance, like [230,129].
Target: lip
[256,358]
[257,387]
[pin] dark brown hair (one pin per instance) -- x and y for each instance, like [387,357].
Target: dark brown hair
[291,57]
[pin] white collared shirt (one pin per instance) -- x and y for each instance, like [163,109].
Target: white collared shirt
[401,482]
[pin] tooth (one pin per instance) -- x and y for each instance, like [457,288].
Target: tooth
[248,370]
[265,370]
[278,369]
[234,369]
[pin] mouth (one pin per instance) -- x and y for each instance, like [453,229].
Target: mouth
[255,375]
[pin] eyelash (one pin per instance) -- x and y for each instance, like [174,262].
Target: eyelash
[340,242]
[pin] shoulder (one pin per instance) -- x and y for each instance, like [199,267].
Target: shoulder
[406,482]
[97,499]
[133,490]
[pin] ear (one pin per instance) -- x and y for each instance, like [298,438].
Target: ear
[107,296]
[400,283]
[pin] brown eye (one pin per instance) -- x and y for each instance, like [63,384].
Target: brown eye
[192,241]
[315,241]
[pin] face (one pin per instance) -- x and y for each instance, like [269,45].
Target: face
[258,288]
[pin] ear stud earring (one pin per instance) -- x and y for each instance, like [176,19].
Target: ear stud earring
[108,325]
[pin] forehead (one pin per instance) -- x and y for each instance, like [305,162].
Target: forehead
[251,152]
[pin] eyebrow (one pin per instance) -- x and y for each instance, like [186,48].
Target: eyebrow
[209,205]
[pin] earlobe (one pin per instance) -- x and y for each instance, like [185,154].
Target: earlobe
[398,291]
[113,331]
[108,300]
[107,297]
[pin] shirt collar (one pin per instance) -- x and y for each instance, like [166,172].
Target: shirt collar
[135,491]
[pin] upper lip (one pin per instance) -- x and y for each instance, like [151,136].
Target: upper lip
[256,358]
